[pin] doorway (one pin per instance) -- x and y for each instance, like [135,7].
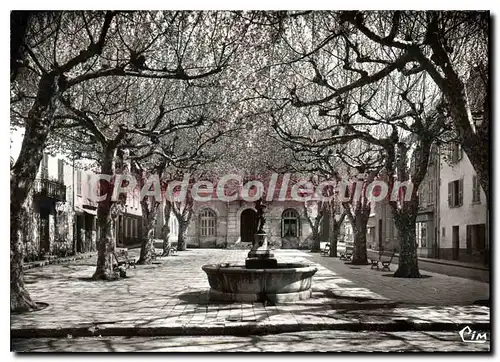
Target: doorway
[80,234]
[455,242]
[248,225]
[44,233]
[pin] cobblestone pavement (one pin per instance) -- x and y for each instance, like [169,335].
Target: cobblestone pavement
[172,293]
[434,289]
[320,341]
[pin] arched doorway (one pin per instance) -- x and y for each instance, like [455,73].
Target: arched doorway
[290,229]
[248,225]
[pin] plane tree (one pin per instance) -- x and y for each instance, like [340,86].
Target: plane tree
[79,47]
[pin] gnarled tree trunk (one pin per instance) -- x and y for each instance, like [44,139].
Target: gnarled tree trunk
[23,174]
[408,257]
[359,222]
[148,224]
[106,244]
[181,241]
[20,300]
[166,228]
[315,224]
[333,237]
[316,245]
[184,218]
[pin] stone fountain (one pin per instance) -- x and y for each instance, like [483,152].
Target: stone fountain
[262,278]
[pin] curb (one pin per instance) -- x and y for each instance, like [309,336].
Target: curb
[240,330]
[456,265]
[41,263]
[444,262]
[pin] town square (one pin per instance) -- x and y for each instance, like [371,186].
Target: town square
[250,181]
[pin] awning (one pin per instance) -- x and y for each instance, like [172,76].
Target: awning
[91,210]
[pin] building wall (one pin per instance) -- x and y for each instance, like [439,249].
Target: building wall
[383,231]
[43,215]
[228,223]
[468,213]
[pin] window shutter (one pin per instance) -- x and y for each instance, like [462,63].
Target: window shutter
[79,183]
[460,192]
[60,170]
[450,194]
[88,187]
[45,166]
[469,238]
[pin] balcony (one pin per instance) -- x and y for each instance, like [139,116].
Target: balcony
[50,188]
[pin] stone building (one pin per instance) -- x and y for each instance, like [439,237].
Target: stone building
[220,224]
[452,216]
[463,216]
[48,218]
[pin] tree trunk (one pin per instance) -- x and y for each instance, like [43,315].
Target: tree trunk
[333,237]
[148,225]
[316,245]
[359,256]
[184,218]
[106,243]
[408,258]
[20,300]
[23,174]
[166,229]
[181,241]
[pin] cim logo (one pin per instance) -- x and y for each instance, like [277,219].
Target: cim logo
[470,336]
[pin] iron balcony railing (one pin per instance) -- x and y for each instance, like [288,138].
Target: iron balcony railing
[50,188]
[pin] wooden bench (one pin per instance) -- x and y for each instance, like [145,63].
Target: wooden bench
[347,254]
[326,250]
[122,259]
[384,258]
[374,259]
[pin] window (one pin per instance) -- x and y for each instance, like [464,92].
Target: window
[45,166]
[456,152]
[207,223]
[290,223]
[456,193]
[430,191]
[443,232]
[476,190]
[79,182]
[60,171]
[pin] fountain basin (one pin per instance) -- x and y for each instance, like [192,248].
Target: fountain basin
[289,282]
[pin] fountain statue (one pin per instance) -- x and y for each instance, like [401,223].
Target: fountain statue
[262,278]
[261,221]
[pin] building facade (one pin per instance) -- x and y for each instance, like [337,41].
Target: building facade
[47,227]
[452,217]
[220,224]
[463,211]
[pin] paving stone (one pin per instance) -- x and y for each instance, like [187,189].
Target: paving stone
[174,293]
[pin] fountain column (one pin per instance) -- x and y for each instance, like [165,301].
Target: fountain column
[260,256]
